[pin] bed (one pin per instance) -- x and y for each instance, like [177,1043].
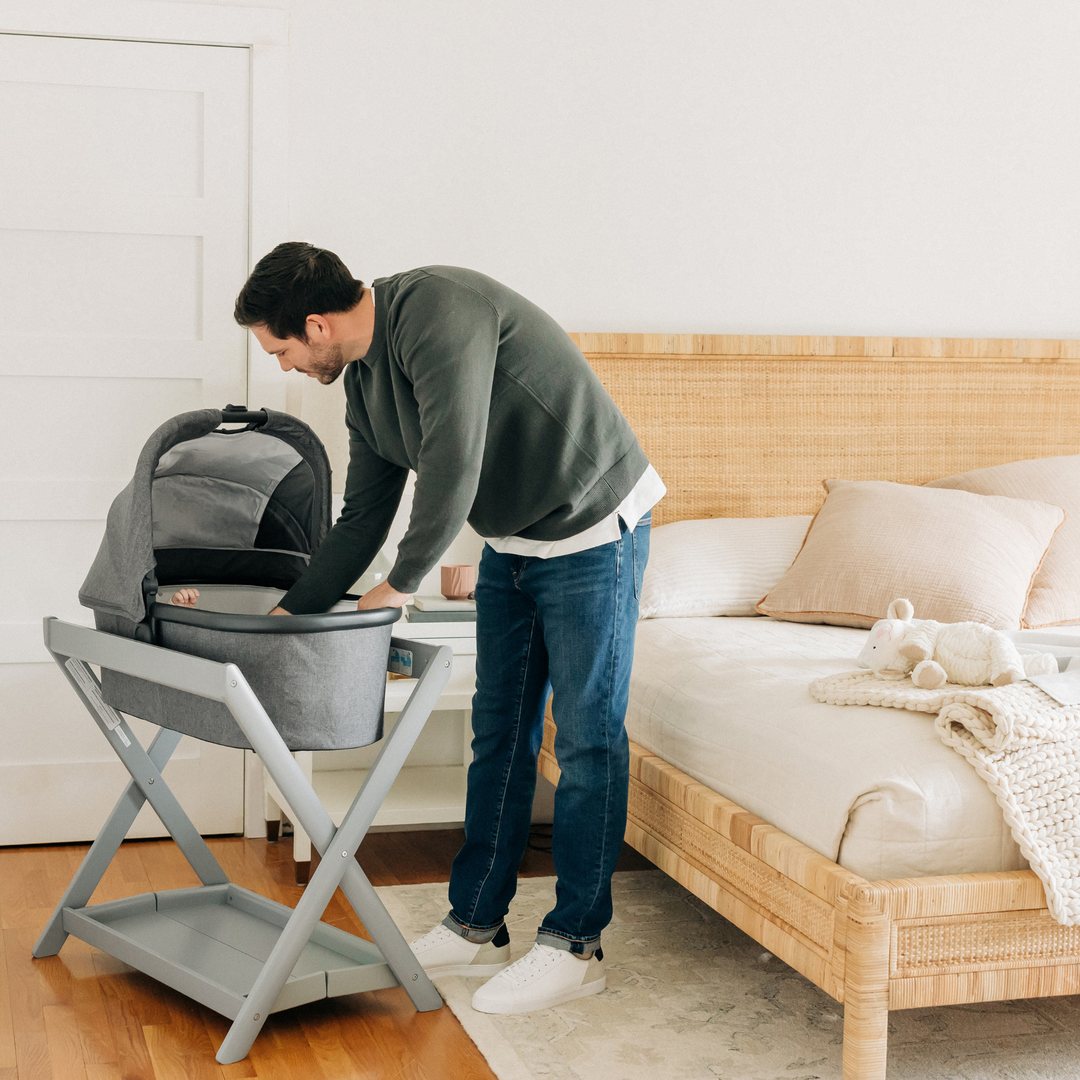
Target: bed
[749,427]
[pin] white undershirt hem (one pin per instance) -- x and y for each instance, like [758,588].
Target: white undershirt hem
[646,493]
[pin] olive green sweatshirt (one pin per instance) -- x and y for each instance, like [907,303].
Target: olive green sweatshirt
[488,400]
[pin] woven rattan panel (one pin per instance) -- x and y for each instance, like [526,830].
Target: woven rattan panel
[755,437]
[1023,939]
[715,855]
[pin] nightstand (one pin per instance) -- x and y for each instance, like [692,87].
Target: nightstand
[430,789]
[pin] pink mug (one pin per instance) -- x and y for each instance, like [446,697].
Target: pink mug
[458,582]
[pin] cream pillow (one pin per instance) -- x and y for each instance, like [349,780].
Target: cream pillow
[955,555]
[717,566]
[1055,592]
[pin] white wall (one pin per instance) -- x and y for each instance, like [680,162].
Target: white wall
[905,167]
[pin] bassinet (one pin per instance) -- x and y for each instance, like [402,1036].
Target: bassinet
[240,510]
[237,514]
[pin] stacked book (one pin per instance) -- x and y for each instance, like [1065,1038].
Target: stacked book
[439,609]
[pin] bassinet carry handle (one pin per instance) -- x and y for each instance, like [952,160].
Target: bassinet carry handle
[241,414]
[276,624]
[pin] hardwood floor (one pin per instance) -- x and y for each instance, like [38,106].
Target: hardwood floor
[82,1015]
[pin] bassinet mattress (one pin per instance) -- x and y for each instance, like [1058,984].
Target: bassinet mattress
[726,701]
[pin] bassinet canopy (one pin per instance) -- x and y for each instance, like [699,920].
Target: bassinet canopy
[206,506]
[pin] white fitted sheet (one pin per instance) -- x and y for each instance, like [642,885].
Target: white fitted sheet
[726,701]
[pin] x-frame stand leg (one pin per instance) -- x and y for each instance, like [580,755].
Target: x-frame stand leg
[145,785]
[338,849]
[73,647]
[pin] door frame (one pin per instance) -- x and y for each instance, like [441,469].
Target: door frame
[264,32]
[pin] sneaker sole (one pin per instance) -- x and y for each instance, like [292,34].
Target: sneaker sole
[467,970]
[508,1007]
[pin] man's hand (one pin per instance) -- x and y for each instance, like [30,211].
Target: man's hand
[383,595]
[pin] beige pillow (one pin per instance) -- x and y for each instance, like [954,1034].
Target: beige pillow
[1055,592]
[717,566]
[955,555]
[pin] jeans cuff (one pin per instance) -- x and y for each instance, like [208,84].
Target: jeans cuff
[583,949]
[478,935]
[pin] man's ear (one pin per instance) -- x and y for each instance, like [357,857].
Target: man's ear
[318,329]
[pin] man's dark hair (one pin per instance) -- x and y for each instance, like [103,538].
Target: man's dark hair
[294,281]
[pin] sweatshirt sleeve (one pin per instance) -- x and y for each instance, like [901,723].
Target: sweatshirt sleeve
[373,488]
[446,338]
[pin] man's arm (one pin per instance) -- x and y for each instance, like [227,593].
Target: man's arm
[373,488]
[383,595]
[447,339]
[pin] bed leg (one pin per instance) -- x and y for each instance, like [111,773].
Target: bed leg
[866,987]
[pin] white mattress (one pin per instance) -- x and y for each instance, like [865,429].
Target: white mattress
[726,701]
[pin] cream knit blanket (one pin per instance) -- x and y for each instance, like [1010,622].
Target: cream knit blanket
[1022,743]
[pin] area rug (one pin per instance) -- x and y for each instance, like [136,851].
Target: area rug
[690,997]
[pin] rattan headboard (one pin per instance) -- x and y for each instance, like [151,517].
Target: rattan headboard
[750,426]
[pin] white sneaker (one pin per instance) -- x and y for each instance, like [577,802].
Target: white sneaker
[545,976]
[442,952]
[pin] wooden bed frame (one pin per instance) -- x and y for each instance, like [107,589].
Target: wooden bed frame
[749,427]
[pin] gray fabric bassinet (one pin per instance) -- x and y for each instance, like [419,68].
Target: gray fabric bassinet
[237,515]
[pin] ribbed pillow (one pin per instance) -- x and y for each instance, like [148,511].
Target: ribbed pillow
[956,556]
[717,566]
[1055,592]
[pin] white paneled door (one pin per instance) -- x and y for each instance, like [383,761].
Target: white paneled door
[123,242]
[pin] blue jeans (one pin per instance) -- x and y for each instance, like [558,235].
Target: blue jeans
[564,626]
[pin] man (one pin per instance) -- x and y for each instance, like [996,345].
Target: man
[483,395]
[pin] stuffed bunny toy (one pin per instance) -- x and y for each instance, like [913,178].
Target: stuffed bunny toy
[933,653]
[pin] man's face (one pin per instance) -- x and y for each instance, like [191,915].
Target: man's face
[323,362]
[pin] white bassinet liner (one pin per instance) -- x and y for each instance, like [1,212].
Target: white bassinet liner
[320,678]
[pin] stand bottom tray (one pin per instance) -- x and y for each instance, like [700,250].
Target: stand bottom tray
[211,942]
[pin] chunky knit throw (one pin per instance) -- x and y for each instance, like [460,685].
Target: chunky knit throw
[1022,743]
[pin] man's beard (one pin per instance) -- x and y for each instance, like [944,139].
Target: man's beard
[327,365]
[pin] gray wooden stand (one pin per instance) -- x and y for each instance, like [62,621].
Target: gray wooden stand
[236,952]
